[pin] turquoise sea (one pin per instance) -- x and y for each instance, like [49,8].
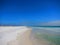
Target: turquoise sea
[50,34]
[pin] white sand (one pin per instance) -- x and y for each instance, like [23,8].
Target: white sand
[8,34]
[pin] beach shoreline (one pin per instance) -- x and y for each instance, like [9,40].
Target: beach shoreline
[15,35]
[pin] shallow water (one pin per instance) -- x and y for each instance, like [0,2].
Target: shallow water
[47,34]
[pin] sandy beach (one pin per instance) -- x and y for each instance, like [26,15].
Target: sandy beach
[22,39]
[15,36]
[19,35]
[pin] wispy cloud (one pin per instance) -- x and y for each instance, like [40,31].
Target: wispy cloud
[52,23]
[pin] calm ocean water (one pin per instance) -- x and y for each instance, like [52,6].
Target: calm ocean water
[55,29]
[51,34]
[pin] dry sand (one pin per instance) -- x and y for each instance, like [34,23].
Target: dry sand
[15,35]
[23,39]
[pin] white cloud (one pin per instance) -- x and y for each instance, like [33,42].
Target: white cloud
[52,23]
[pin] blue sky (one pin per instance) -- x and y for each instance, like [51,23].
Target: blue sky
[29,11]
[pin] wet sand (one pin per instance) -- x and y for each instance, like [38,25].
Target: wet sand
[24,39]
